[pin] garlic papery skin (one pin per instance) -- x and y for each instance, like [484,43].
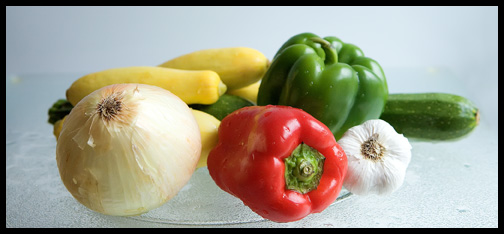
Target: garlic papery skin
[126,149]
[377,158]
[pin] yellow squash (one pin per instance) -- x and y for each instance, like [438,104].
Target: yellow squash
[202,87]
[58,126]
[248,92]
[237,66]
[208,126]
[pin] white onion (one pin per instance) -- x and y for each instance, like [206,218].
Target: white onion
[126,149]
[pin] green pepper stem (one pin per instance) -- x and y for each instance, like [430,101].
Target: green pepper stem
[303,169]
[331,56]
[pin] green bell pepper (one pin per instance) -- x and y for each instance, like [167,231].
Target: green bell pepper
[331,80]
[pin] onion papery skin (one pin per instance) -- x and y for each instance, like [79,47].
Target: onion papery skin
[133,162]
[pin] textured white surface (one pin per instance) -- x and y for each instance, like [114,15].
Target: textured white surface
[447,184]
[422,49]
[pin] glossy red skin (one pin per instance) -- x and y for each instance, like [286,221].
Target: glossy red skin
[248,161]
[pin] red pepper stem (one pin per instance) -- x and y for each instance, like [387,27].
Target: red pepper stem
[331,56]
[303,169]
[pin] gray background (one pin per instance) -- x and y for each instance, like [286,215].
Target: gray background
[88,39]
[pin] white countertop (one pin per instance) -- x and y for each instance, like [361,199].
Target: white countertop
[447,184]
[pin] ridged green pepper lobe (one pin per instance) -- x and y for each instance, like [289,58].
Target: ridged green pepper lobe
[331,80]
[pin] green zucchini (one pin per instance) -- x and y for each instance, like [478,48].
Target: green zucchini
[226,104]
[432,116]
[59,110]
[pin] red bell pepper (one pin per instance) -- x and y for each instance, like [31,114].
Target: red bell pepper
[280,161]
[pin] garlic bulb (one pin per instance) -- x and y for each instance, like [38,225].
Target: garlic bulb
[377,158]
[128,148]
